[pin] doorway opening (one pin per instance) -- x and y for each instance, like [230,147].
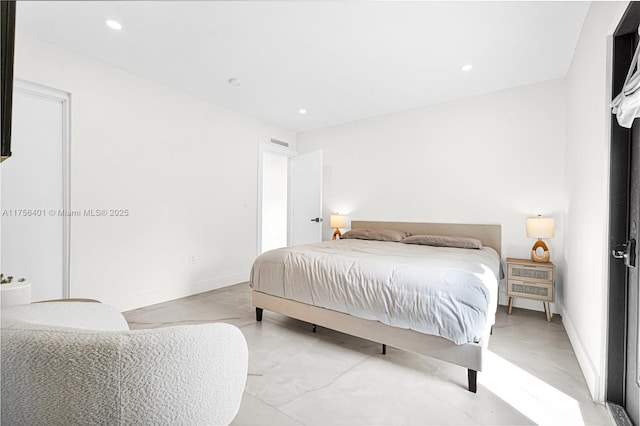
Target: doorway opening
[273,197]
[289,198]
[275,201]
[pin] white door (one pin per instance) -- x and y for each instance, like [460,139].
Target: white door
[306,198]
[33,192]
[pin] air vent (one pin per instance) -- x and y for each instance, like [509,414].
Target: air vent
[281,143]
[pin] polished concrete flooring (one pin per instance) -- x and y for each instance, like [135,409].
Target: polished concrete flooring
[328,378]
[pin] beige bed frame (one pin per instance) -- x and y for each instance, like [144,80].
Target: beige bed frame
[469,355]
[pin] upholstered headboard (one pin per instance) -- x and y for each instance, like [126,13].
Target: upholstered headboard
[490,235]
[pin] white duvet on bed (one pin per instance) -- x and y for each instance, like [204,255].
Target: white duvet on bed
[448,292]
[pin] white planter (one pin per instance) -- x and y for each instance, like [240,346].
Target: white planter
[15,293]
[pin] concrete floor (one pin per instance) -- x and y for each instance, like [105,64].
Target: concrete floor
[329,378]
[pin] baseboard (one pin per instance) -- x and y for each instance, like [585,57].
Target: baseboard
[164,295]
[590,372]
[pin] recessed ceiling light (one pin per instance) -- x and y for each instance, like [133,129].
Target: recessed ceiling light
[466,67]
[234,82]
[114,25]
[302,111]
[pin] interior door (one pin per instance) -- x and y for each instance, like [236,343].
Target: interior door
[306,198]
[33,193]
[623,374]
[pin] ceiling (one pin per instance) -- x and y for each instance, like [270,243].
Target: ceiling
[340,60]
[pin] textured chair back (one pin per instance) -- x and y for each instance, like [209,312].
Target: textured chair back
[176,375]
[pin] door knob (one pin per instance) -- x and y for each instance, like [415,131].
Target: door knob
[317,219]
[618,254]
[626,251]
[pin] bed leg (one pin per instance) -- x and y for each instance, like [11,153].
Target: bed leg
[473,380]
[314,327]
[259,314]
[384,349]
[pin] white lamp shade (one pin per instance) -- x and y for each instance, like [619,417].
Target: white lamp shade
[336,221]
[540,227]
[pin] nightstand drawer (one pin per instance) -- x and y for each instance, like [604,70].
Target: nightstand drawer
[530,273]
[530,289]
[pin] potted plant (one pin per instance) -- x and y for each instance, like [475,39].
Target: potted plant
[14,292]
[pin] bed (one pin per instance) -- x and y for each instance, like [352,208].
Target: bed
[388,292]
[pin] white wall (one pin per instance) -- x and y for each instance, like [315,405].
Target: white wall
[185,169]
[496,158]
[587,176]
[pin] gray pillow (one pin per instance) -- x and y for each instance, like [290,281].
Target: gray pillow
[375,234]
[443,241]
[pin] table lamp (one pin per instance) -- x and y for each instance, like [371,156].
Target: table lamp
[540,227]
[336,221]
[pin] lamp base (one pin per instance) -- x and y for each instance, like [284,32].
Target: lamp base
[337,234]
[534,252]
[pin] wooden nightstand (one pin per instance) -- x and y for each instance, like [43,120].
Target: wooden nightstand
[533,280]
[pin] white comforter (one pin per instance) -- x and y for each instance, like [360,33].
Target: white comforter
[448,292]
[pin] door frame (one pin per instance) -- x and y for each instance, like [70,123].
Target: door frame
[624,41]
[283,152]
[41,91]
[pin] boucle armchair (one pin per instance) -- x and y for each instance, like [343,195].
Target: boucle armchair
[78,363]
